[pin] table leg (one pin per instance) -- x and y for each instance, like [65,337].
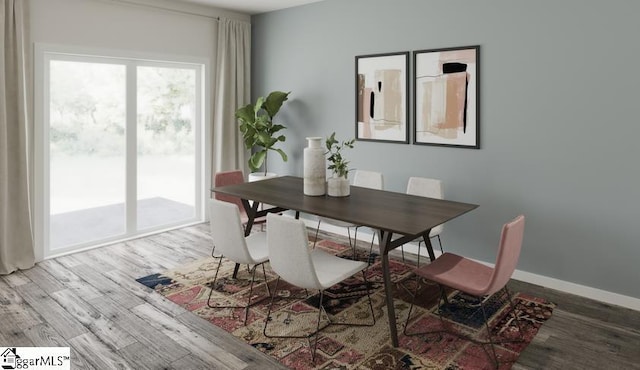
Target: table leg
[427,243]
[385,243]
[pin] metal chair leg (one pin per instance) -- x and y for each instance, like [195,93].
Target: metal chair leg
[413,300]
[373,238]
[253,275]
[315,240]
[319,328]
[493,348]
[515,313]
[373,316]
[264,272]
[317,331]
[355,241]
[440,243]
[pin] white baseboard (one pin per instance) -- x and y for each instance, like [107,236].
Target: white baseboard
[545,281]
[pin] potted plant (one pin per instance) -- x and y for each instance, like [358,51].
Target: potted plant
[338,184]
[259,131]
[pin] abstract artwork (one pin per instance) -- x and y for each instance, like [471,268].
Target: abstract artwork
[446,91]
[381,97]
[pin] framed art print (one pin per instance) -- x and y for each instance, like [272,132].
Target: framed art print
[382,91]
[446,97]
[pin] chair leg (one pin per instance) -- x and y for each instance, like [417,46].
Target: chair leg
[355,242]
[493,347]
[373,238]
[413,300]
[268,318]
[440,243]
[316,238]
[515,313]
[373,316]
[420,245]
[265,279]
[273,295]
[317,331]
[253,278]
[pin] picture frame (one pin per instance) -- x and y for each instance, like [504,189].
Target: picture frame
[446,92]
[382,95]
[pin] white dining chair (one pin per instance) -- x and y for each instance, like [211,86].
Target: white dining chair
[430,188]
[365,179]
[229,242]
[313,269]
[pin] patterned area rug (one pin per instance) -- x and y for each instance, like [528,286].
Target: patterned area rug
[347,347]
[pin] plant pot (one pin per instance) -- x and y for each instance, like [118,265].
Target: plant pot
[257,176]
[338,187]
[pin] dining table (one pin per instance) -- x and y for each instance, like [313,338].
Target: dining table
[398,218]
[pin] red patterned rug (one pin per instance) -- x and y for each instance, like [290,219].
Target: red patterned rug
[344,347]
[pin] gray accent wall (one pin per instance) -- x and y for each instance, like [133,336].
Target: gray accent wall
[559,136]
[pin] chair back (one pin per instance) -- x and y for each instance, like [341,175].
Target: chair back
[425,187]
[228,178]
[289,251]
[508,254]
[227,231]
[368,179]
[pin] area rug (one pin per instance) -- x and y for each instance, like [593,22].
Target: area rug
[347,347]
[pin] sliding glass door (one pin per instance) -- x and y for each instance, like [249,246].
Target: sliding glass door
[166,146]
[122,152]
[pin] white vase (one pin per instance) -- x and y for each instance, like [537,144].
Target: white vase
[314,168]
[338,187]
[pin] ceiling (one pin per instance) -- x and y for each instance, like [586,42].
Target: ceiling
[252,6]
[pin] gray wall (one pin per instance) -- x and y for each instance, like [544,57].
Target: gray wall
[559,120]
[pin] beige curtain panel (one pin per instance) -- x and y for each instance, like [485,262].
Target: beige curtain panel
[16,239]
[232,90]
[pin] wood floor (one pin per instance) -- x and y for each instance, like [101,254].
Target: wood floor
[90,302]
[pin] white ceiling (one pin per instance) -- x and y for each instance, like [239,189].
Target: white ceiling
[252,6]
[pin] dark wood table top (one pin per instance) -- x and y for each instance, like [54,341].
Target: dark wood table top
[383,210]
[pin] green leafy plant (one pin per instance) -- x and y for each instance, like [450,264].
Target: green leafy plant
[259,131]
[338,164]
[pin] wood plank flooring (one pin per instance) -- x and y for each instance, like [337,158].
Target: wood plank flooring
[91,302]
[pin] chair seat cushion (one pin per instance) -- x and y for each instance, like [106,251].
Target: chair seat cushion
[331,269]
[459,273]
[257,246]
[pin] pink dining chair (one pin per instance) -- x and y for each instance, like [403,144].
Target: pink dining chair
[475,278]
[233,178]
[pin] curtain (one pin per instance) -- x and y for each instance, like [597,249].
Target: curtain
[232,90]
[16,239]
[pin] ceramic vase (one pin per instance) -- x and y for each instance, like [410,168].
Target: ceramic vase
[314,168]
[338,187]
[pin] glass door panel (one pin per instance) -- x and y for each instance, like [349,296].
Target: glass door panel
[87,119]
[166,142]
